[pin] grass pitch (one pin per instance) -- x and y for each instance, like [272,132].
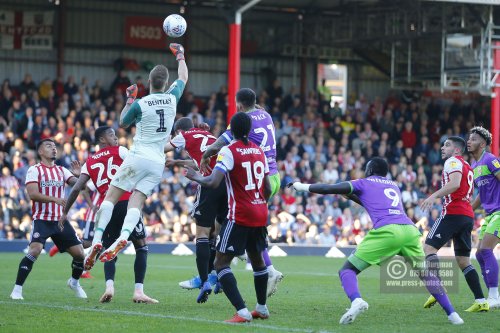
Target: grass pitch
[310,299]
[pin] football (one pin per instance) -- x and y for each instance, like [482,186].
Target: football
[174,25]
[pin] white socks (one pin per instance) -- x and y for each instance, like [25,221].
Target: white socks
[103,217]
[262,308]
[139,287]
[131,220]
[244,313]
[73,281]
[493,292]
[110,284]
[18,288]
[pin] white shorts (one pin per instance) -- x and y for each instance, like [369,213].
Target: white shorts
[138,174]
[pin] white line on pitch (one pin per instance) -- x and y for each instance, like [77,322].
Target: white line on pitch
[154,315]
[179,267]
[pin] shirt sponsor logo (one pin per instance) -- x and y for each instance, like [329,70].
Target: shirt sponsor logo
[49,183]
[258,202]
[482,182]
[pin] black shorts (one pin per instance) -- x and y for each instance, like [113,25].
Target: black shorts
[235,239]
[88,232]
[114,227]
[62,239]
[456,227]
[210,204]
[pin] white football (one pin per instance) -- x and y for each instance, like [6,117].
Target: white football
[174,25]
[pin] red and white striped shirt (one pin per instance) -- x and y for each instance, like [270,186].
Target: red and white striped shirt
[51,182]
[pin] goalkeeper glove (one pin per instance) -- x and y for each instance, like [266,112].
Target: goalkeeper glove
[177,50]
[132,93]
[299,187]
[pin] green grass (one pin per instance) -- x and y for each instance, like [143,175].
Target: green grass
[310,299]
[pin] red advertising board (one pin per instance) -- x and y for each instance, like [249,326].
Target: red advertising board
[145,31]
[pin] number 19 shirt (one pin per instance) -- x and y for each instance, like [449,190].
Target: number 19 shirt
[244,167]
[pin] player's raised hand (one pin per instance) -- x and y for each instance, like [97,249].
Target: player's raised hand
[76,168]
[177,50]
[132,93]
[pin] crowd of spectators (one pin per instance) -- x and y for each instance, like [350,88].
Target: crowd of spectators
[316,142]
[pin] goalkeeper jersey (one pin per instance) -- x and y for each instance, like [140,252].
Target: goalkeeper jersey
[154,117]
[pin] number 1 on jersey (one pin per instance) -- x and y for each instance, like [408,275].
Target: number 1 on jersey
[162,127]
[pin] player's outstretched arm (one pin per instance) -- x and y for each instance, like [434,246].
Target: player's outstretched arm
[212,150]
[168,148]
[75,191]
[178,51]
[449,188]
[35,195]
[169,163]
[78,187]
[354,198]
[127,116]
[340,188]
[211,181]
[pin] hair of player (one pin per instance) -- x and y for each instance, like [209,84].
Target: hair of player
[39,144]
[458,142]
[158,77]
[241,123]
[100,132]
[246,97]
[183,124]
[483,133]
[379,166]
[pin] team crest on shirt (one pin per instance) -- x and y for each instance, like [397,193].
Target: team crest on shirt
[453,164]
[36,235]
[496,163]
[220,157]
